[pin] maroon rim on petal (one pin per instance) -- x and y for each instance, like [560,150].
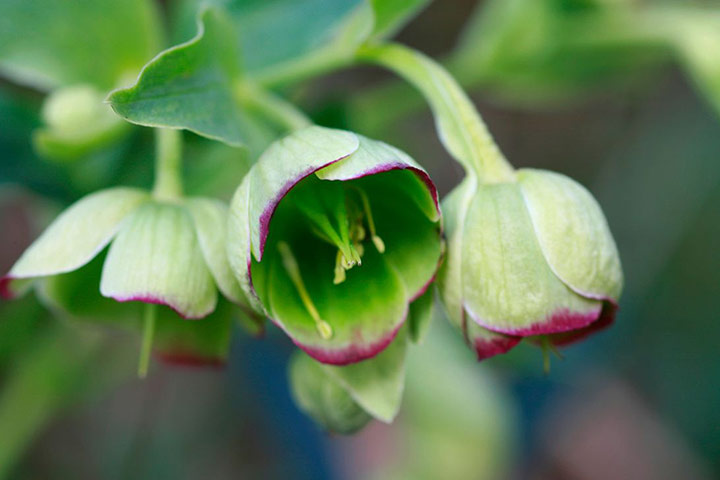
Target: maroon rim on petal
[185,359]
[561,320]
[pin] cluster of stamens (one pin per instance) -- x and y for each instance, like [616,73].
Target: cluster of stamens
[344,229]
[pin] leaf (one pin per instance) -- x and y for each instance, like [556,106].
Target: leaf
[156,258]
[376,384]
[193,86]
[392,15]
[52,43]
[279,38]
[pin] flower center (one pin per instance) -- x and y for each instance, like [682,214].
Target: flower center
[338,215]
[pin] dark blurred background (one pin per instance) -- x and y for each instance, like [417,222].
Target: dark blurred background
[637,401]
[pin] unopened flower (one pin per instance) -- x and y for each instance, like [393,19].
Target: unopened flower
[164,252]
[532,258]
[332,235]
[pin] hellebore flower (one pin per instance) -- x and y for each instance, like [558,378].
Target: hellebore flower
[332,235]
[165,252]
[530,258]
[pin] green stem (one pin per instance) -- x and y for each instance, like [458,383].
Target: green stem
[460,126]
[150,314]
[274,108]
[168,164]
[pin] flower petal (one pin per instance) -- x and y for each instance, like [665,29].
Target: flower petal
[607,317]
[454,207]
[76,236]
[377,383]
[283,165]
[365,311]
[487,343]
[210,217]
[323,398]
[156,258]
[373,157]
[508,286]
[413,243]
[573,234]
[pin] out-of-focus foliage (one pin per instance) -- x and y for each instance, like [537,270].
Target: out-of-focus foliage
[53,43]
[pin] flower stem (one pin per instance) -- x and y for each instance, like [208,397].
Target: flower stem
[149,316]
[460,126]
[168,164]
[274,108]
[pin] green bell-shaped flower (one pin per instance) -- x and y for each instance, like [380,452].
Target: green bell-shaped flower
[532,257]
[164,252]
[332,235]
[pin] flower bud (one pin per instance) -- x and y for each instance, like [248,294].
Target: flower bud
[529,258]
[323,398]
[332,235]
[77,121]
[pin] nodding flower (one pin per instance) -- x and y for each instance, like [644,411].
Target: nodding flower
[528,258]
[332,235]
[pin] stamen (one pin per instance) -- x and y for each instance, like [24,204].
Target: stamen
[293,270]
[377,241]
[339,268]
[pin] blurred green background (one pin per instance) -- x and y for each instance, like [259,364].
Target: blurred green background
[623,96]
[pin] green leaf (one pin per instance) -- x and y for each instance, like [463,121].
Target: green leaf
[194,86]
[286,39]
[156,258]
[52,43]
[376,384]
[79,233]
[392,15]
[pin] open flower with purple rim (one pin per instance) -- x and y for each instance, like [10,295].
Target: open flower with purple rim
[164,252]
[332,235]
[533,258]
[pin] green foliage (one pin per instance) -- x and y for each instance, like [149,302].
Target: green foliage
[53,43]
[194,86]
